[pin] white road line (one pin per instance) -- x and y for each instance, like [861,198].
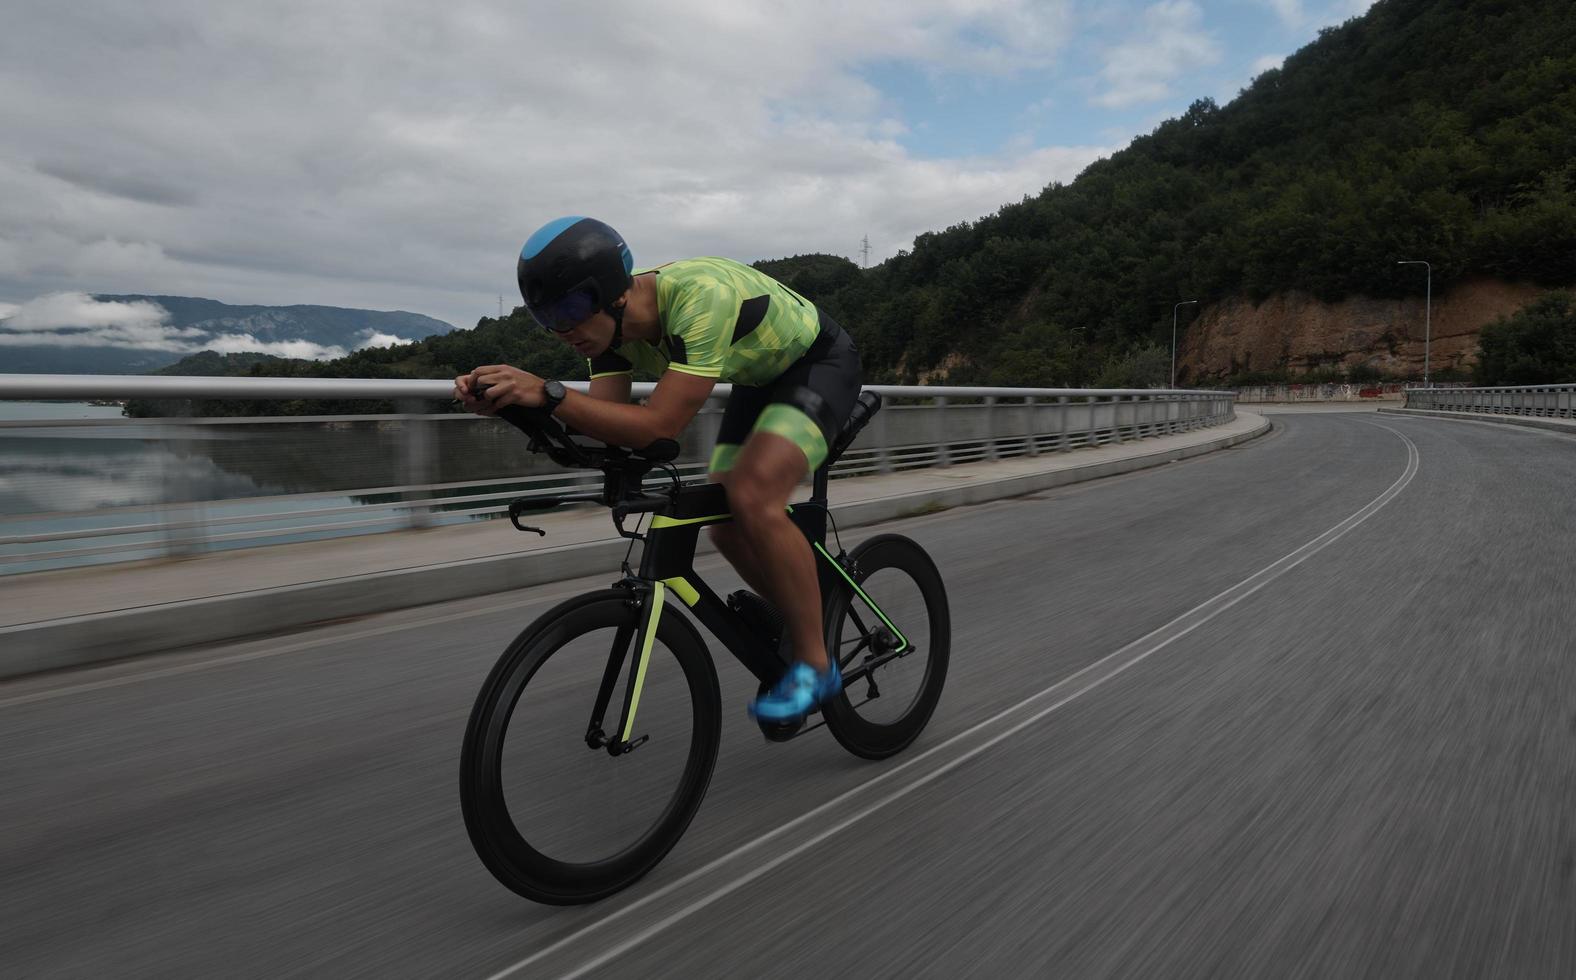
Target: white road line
[1072,687]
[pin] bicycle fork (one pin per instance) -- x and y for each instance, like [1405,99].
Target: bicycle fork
[648,606]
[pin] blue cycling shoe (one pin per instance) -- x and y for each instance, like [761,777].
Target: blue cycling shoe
[800,691]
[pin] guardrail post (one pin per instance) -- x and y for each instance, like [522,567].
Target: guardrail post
[184,531]
[990,427]
[417,458]
[943,454]
[1062,405]
[1032,426]
[884,440]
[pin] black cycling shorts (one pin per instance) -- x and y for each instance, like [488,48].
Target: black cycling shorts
[807,404]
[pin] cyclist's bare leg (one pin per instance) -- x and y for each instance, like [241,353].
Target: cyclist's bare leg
[776,558]
[737,549]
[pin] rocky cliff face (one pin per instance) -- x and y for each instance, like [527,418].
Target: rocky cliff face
[1295,332]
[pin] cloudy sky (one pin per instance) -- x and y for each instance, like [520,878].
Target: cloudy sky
[394,154]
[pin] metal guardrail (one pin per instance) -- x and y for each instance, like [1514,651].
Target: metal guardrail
[1548,401]
[98,490]
[1319,392]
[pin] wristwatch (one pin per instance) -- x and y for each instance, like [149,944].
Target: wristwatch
[555,393]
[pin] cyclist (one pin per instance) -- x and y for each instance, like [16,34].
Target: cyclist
[695,323]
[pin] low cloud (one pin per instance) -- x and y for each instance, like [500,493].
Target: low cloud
[80,320]
[240,343]
[371,338]
[79,310]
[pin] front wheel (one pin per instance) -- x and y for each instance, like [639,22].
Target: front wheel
[555,816]
[891,632]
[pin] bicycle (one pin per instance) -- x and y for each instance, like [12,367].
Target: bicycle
[531,688]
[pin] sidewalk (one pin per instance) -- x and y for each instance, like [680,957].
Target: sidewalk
[65,618]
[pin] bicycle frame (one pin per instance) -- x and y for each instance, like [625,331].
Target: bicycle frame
[668,565]
[669,558]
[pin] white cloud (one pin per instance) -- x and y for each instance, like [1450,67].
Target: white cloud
[1169,43]
[1342,10]
[58,310]
[394,154]
[1295,13]
[371,338]
[232,343]
[1264,64]
[1289,11]
[79,320]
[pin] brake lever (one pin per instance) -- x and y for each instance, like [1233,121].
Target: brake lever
[515,510]
[618,522]
[650,504]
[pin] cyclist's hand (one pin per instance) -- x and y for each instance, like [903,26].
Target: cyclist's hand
[504,385]
[465,392]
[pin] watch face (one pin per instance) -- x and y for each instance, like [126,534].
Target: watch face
[554,390]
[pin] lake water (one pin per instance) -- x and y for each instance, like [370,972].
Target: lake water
[86,491]
[37,411]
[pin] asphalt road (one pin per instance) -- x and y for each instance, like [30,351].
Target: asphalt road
[1306,707]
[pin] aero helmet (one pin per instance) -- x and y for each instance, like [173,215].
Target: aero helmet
[570,268]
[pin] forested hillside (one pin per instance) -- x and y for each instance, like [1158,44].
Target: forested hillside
[1437,129]
[1427,129]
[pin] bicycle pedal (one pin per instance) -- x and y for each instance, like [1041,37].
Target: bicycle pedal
[624,748]
[780,733]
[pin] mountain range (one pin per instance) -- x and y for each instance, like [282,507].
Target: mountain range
[157,331]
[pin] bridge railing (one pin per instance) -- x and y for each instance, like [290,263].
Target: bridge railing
[86,491]
[1550,401]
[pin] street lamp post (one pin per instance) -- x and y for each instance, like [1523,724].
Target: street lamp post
[1428,315]
[1174,309]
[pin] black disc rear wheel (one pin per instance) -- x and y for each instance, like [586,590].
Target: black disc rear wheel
[892,636]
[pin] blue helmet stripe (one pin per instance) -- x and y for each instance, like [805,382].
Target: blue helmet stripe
[547,233]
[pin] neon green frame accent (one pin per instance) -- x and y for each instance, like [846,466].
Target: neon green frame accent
[659,521]
[868,601]
[683,590]
[657,592]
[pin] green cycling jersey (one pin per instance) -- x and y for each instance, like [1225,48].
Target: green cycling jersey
[720,319]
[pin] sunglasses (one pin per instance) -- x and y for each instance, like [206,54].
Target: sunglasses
[565,313]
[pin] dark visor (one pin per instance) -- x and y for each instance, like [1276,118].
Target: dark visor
[564,313]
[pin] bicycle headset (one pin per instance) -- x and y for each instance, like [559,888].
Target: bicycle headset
[570,268]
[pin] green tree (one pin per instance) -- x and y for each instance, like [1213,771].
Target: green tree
[1536,345]
[1142,367]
